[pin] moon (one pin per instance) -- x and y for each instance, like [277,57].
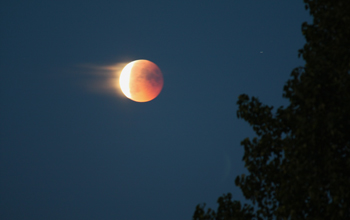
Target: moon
[141,80]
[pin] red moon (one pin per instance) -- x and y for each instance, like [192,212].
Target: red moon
[141,80]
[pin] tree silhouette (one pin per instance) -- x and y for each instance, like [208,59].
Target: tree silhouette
[299,163]
[228,209]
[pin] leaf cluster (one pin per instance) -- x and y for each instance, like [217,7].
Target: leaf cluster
[227,210]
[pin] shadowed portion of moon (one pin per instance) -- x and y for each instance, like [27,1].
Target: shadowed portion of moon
[145,82]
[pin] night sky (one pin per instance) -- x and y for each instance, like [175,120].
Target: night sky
[72,147]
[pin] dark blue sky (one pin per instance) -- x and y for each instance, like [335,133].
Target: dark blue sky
[68,152]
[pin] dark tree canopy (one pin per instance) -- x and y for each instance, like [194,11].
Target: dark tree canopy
[228,209]
[299,163]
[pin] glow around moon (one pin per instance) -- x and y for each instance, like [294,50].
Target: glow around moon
[141,80]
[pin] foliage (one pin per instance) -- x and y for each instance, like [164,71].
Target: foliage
[299,165]
[227,210]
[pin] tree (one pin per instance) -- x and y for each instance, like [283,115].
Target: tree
[299,163]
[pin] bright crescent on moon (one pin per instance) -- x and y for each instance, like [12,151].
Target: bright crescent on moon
[124,80]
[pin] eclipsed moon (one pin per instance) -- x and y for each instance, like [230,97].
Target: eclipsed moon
[141,80]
